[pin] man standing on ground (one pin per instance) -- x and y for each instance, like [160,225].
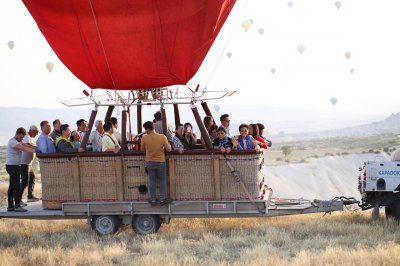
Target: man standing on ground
[44,143]
[155,146]
[13,162]
[27,173]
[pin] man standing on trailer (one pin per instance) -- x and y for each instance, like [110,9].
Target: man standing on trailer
[155,145]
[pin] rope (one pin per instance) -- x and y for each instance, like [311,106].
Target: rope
[102,44]
[235,174]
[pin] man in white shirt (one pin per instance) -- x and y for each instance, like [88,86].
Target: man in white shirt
[109,142]
[27,173]
[225,121]
[114,122]
[96,136]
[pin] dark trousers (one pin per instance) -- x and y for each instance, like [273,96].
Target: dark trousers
[27,180]
[13,189]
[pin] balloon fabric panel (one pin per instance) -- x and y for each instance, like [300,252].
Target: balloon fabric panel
[132,44]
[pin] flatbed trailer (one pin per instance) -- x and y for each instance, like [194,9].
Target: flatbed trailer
[106,217]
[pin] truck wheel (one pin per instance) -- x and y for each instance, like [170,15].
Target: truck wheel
[388,212]
[146,224]
[105,224]
[396,210]
[375,213]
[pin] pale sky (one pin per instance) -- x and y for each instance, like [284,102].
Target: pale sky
[365,83]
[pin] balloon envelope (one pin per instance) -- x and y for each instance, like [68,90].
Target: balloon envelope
[290,4]
[216,108]
[338,4]
[273,70]
[333,100]
[347,55]
[50,66]
[301,48]
[261,31]
[98,41]
[11,44]
[229,54]
[246,25]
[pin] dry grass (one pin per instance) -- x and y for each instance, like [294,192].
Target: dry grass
[346,238]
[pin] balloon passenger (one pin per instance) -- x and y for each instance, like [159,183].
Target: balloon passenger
[63,144]
[223,142]
[44,143]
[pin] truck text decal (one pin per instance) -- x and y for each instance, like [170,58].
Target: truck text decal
[388,172]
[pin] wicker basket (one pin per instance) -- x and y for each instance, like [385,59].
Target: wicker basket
[98,178]
[249,172]
[58,182]
[134,177]
[193,177]
[119,178]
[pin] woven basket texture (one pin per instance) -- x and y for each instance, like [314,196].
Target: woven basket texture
[134,176]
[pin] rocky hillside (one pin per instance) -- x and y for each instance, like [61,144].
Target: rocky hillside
[389,125]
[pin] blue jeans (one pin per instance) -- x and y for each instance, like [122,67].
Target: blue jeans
[157,170]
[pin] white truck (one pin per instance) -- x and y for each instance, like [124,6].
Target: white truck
[379,185]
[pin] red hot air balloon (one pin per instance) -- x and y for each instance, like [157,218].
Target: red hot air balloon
[131,44]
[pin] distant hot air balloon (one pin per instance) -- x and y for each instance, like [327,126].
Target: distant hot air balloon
[261,31]
[216,108]
[273,70]
[251,21]
[347,55]
[290,4]
[338,4]
[301,48]
[229,54]
[351,70]
[50,66]
[333,100]
[11,44]
[246,25]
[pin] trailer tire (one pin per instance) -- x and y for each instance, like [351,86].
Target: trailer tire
[105,224]
[146,224]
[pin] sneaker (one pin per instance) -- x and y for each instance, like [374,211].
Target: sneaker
[33,199]
[23,204]
[20,209]
[165,201]
[153,202]
[10,209]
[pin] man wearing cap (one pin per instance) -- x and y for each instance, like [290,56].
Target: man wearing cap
[27,173]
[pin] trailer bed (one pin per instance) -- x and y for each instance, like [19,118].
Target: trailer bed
[276,207]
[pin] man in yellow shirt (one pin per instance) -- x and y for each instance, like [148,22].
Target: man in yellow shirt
[155,146]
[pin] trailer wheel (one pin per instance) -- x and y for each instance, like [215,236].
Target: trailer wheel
[146,224]
[105,224]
